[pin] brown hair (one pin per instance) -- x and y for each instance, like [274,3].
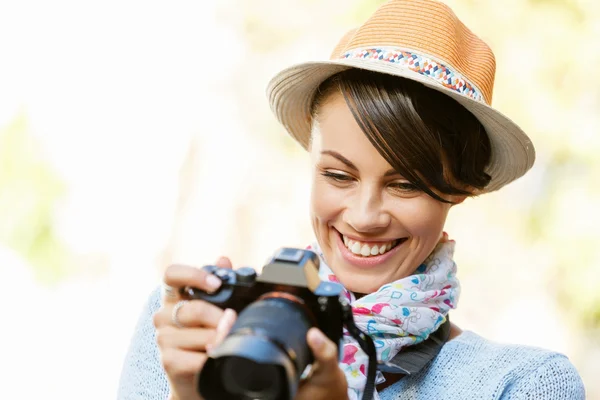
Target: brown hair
[425,135]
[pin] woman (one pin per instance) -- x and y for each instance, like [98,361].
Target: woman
[400,129]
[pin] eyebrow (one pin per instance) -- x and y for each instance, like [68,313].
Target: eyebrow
[351,165]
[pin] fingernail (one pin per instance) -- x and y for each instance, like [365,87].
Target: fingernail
[224,326]
[213,282]
[226,321]
[221,325]
[318,339]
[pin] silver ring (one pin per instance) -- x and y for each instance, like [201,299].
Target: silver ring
[174,317]
[169,291]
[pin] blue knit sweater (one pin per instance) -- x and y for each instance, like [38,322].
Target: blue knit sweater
[468,367]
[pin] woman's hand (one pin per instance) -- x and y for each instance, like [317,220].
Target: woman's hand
[327,380]
[183,348]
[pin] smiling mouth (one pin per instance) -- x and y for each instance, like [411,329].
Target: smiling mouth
[369,249]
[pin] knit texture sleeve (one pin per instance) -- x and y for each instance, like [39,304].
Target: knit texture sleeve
[555,379]
[143,377]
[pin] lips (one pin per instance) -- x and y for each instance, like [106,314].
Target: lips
[353,249]
[368,249]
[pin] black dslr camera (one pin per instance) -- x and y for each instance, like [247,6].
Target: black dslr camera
[265,353]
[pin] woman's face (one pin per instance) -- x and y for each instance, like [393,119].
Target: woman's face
[373,226]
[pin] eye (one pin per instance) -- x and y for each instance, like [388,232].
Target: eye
[404,187]
[336,177]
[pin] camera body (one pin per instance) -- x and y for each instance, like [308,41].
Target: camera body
[265,353]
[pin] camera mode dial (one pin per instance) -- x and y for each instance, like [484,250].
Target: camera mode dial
[246,275]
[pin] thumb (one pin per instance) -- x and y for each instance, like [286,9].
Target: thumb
[224,262]
[324,351]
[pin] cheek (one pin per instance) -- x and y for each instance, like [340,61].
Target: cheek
[325,201]
[424,216]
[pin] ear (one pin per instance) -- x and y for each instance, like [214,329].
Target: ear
[458,199]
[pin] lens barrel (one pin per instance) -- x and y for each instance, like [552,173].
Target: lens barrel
[262,357]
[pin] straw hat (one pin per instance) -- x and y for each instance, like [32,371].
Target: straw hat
[422,40]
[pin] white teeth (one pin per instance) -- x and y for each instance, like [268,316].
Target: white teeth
[374,250]
[366,250]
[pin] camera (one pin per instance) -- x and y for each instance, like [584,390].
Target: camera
[265,354]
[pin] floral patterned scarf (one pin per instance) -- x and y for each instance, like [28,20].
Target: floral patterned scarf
[399,314]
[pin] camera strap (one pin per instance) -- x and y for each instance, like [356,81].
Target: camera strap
[407,362]
[366,344]
[413,359]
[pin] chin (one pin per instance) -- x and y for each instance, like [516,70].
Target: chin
[359,280]
[361,289]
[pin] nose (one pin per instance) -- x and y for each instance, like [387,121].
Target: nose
[365,212]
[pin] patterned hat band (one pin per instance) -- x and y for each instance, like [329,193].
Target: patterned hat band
[422,65]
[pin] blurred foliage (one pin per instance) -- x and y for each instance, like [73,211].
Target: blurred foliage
[29,192]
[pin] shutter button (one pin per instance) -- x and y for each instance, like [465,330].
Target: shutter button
[223,275]
[245,275]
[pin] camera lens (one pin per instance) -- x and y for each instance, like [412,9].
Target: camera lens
[283,322]
[262,357]
[247,379]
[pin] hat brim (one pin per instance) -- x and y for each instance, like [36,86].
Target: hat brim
[291,93]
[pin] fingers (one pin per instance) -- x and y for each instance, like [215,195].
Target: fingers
[184,330]
[181,363]
[181,367]
[183,350]
[224,262]
[179,276]
[223,328]
[185,339]
[194,313]
[327,380]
